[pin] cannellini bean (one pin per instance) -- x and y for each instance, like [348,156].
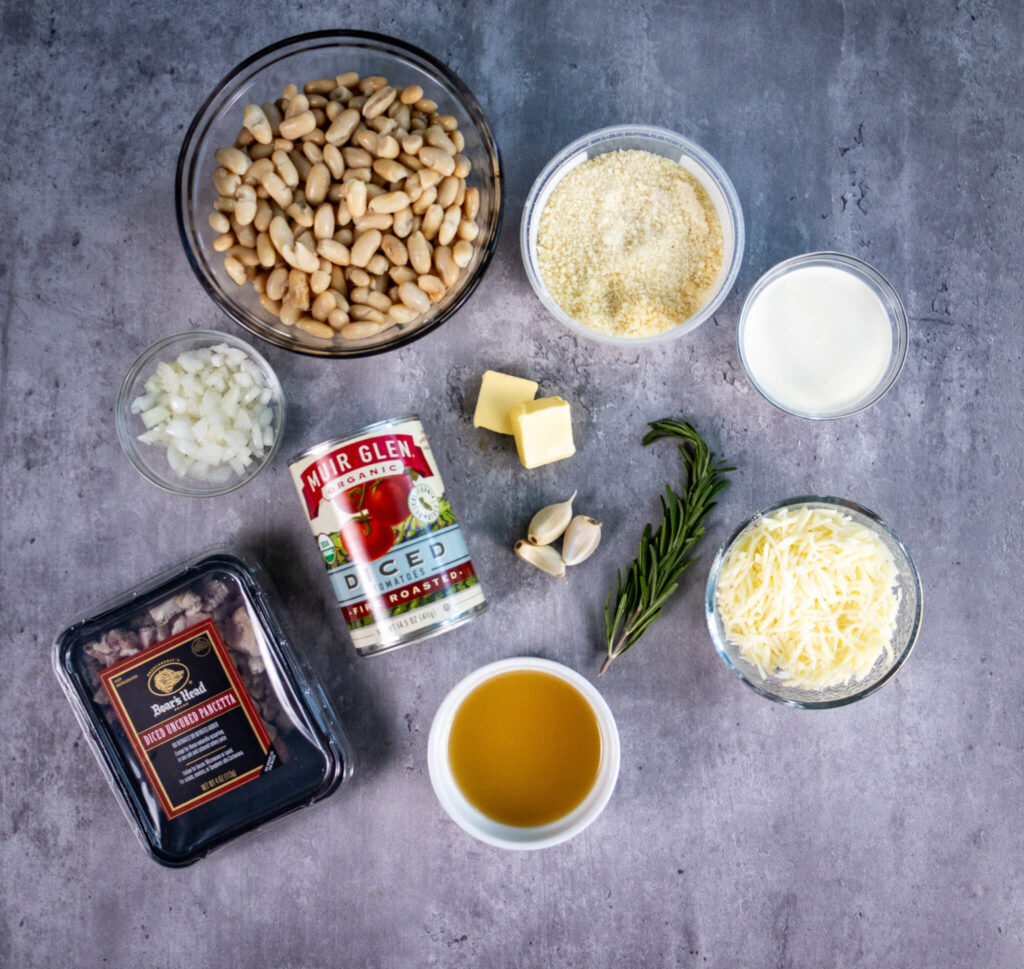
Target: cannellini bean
[446,191]
[235,270]
[285,168]
[323,221]
[388,147]
[277,283]
[333,160]
[373,220]
[401,274]
[300,213]
[401,313]
[402,223]
[219,222]
[266,251]
[445,265]
[255,120]
[378,102]
[411,94]
[361,330]
[419,252]
[356,157]
[298,289]
[315,327]
[226,182]
[390,170]
[436,138]
[290,313]
[395,250]
[297,125]
[462,253]
[427,199]
[432,286]
[387,203]
[270,305]
[342,127]
[437,159]
[365,246]
[432,220]
[224,241]
[337,318]
[471,204]
[245,204]
[317,183]
[277,189]
[333,251]
[233,160]
[429,178]
[378,266]
[355,197]
[414,297]
[449,225]
[468,230]
[319,282]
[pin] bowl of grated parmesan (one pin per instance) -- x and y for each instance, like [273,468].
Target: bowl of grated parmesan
[814,602]
[632,234]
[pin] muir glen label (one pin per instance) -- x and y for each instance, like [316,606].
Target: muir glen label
[189,719]
[386,532]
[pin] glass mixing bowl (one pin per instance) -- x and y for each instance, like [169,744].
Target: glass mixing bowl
[263,77]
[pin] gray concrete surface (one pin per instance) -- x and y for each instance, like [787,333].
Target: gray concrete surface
[886,834]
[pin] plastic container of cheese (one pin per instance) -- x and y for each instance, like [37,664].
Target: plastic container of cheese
[793,609]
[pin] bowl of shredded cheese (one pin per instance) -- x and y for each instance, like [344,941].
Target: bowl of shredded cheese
[814,602]
[632,234]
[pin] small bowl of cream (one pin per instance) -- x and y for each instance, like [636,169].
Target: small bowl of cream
[823,335]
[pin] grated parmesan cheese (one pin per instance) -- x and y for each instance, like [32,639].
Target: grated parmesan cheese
[809,596]
[630,244]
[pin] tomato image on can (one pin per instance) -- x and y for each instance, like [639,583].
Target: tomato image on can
[388,536]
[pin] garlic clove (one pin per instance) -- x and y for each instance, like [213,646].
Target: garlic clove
[550,522]
[544,557]
[581,539]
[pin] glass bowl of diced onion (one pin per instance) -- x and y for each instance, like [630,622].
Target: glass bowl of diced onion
[200,413]
[799,609]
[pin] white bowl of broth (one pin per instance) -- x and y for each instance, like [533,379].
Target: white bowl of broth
[523,753]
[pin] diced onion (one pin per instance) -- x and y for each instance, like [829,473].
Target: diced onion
[209,410]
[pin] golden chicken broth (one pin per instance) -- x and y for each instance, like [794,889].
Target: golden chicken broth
[525,748]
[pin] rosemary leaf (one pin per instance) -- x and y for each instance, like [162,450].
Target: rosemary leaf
[663,555]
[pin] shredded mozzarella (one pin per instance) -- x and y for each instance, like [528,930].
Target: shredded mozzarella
[809,596]
[211,409]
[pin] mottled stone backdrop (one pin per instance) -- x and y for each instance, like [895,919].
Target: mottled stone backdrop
[886,834]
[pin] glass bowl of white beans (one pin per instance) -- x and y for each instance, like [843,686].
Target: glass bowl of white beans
[276,227]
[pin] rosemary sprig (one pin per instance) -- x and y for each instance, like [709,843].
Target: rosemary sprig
[664,555]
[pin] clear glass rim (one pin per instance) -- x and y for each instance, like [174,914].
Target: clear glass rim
[194,136]
[124,397]
[895,311]
[603,136]
[710,609]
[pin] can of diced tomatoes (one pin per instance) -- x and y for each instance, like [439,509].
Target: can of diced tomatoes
[387,533]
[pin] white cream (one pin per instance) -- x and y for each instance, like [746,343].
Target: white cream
[817,340]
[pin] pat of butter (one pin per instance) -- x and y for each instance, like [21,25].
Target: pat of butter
[498,393]
[543,430]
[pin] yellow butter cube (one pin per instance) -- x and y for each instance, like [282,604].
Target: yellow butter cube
[498,393]
[543,430]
